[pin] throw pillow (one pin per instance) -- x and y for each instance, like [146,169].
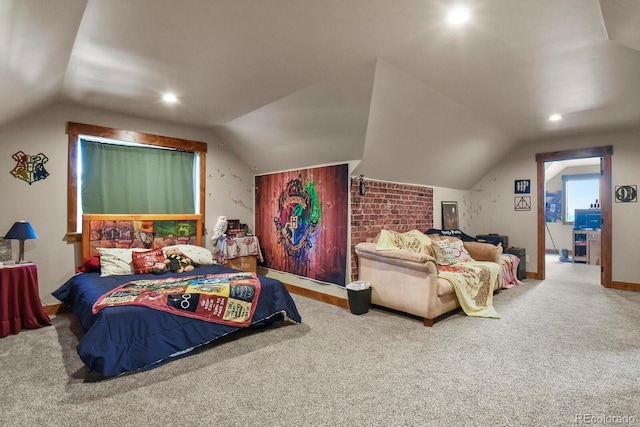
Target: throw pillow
[90,265]
[143,262]
[413,241]
[198,254]
[459,251]
[484,251]
[443,252]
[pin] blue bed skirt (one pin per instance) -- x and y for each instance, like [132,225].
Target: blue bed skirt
[129,338]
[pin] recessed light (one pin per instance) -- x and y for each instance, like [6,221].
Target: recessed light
[458,16]
[555,117]
[169,97]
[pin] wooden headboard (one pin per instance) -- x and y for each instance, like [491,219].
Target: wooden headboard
[138,231]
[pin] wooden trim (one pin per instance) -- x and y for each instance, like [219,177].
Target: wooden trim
[605,152]
[318,296]
[74,130]
[540,219]
[606,246]
[203,186]
[534,276]
[55,309]
[625,286]
[139,137]
[556,156]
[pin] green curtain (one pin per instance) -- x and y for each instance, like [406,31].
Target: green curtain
[120,179]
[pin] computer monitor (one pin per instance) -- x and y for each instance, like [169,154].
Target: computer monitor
[587,219]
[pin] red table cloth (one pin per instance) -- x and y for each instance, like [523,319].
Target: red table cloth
[20,306]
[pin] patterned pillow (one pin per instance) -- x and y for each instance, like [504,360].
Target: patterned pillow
[198,254]
[459,251]
[143,262]
[443,252]
[116,261]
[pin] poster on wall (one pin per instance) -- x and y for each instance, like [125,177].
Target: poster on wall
[553,206]
[302,221]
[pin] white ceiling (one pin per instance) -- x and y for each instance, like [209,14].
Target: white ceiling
[295,83]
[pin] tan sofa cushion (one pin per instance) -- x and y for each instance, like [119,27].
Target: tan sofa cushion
[484,251]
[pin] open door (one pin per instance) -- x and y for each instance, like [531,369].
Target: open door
[605,154]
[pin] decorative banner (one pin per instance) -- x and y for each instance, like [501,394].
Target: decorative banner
[522,203]
[522,186]
[626,193]
[30,168]
[301,222]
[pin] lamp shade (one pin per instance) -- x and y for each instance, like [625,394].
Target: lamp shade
[21,230]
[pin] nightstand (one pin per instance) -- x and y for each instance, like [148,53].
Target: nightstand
[20,306]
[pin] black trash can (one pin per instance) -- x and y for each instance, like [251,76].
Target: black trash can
[359,294]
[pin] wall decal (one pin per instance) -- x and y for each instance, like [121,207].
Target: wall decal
[30,168]
[522,203]
[522,186]
[301,221]
[626,193]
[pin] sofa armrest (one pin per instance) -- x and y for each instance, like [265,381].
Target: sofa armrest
[399,257]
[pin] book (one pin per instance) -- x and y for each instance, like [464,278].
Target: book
[6,252]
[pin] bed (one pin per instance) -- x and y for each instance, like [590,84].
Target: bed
[121,339]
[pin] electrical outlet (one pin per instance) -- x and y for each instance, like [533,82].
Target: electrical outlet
[526,258]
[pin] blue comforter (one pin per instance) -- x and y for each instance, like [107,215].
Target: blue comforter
[128,338]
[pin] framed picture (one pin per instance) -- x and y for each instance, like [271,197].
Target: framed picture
[450,215]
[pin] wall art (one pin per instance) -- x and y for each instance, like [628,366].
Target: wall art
[302,221]
[30,168]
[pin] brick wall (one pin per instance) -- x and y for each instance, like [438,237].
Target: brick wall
[390,206]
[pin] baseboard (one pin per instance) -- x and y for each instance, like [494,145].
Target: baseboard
[318,296]
[535,276]
[625,286]
[55,309]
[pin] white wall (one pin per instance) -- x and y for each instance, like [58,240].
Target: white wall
[463,197]
[493,197]
[229,186]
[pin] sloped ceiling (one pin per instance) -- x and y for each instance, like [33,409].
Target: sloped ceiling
[295,83]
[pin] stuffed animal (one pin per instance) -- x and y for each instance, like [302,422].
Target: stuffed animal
[176,261]
[160,268]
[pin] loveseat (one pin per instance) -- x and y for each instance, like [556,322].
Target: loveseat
[409,279]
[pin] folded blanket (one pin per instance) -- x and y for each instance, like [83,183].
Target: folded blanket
[472,282]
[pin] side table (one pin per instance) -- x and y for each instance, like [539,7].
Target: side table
[240,253]
[20,306]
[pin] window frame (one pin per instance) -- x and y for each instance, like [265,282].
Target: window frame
[74,130]
[575,177]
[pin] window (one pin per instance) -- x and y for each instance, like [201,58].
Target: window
[580,192]
[89,143]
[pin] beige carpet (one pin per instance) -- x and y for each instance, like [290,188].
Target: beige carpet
[564,348]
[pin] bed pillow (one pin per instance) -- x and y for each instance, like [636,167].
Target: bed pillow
[443,253]
[198,254]
[115,261]
[143,262]
[459,251]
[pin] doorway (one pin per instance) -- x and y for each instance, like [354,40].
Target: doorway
[604,153]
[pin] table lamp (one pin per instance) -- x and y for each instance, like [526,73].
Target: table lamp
[22,231]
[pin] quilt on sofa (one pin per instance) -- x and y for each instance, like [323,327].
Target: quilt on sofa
[472,282]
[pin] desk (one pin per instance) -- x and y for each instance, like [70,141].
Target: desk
[20,306]
[586,246]
[238,252]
